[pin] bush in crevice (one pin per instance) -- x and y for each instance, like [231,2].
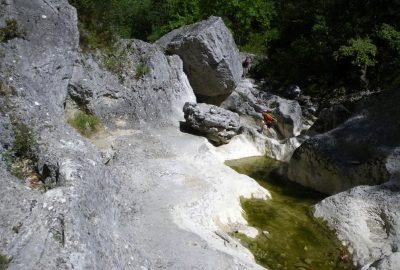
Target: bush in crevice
[21,157]
[10,31]
[84,123]
[141,70]
[6,90]
[4,261]
[114,59]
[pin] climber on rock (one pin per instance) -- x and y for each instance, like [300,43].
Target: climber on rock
[267,120]
[246,64]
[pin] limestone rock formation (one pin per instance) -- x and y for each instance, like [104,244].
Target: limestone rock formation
[362,151]
[278,142]
[149,86]
[38,64]
[355,153]
[248,100]
[210,56]
[88,215]
[367,219]
[243,99]
[219,125]
[329,118]
[288,115]
[365,150]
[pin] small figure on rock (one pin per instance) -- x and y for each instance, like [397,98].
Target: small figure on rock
[246,64]
[267,120]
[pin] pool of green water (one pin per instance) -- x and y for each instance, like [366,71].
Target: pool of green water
[290,237]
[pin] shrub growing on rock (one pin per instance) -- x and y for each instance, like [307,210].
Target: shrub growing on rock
[21,157]
[10,31]
[141,70]
[86,124]
[3,262]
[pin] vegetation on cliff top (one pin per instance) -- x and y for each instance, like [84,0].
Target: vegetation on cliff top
[318,45]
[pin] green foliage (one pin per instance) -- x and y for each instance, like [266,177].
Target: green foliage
[10,31]
[114,60]
[327,45]
[21,156]
[85,124]
[361,50]
[101,21]
[141,70]
[249,20]
[388,73]
[25,145]
[318,45]
[4,261]
[172,14]
[391,36]
[6,90]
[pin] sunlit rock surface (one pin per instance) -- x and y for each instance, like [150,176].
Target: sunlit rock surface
[210,56]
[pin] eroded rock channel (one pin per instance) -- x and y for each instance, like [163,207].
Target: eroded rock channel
[291,237]
[137,193]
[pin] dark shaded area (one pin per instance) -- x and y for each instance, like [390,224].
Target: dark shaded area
[186,128]
[216,100]
[315,48]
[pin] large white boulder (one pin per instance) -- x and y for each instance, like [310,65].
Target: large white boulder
[367,219]
[210,56]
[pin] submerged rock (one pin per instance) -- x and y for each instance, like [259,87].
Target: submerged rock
[219,125]
[210,56]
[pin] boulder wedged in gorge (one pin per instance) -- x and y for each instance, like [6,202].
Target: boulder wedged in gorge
[217,124]
[209,54]
[355,153]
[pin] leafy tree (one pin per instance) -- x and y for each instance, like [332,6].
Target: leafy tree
[361,50]
[249,20]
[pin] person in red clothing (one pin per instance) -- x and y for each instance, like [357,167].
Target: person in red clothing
[267,120]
